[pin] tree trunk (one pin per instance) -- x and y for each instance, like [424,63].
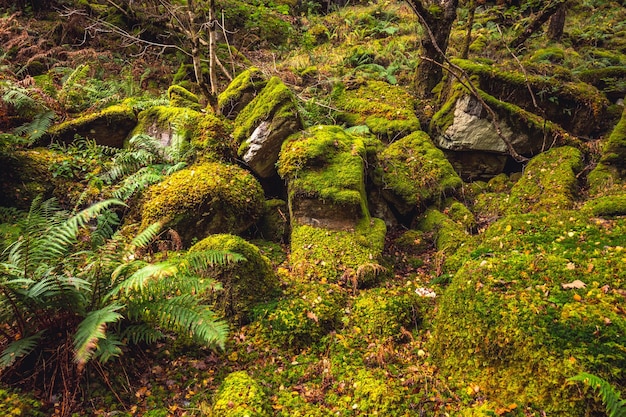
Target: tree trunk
[539,20]
[556,24]
[436,18]
[212,57]
[470,24]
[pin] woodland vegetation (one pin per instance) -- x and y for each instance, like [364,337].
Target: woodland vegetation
[312,208]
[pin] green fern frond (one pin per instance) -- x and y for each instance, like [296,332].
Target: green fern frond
[138,181]
[108,348]
[142,333]
[140,279]
[147,236]
[36,128]
[615,407]
[92,330]
[201,262]
[17,349]
[18,97]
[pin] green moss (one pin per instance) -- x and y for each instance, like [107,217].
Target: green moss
[212,138]
[552,54]
[386,109]
[350,257]
[274,223]
[275,100]
[204,199]
[16,404]
[245,283]
[248,83]
[171,125]
[325,163]
[611,205]
[549,182]
[508,326]
[605,180]
[412,172]
[614,152]
[241,396]
[381,313]
[460,214]
[181,97]
[448,234]
[305,315]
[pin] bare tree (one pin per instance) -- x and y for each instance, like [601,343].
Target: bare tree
[436,17]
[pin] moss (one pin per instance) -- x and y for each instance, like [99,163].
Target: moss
[611,205]
[204,199]
[549,182]
[325,164]
[275,100]
[509,327]
[448,234]
[241,91]
[349,257]
[611,80]
[170,125]
[460,214]
[552,54]
[274,223]
[381,313]
[245,283]
[387,110]
[305,315]
[412,172]
[614,151]
[181,97]
[241,396]
[17,404]
[605,180]
[213,140]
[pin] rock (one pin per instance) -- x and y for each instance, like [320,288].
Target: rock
[240,92]
[172,126]
[205,199]
[264,124]
[181,97]
[108,127]
[614,151]
[474,165]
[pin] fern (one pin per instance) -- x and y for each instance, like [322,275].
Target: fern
[615,407]
[19,348]
[142,333]
[36,128]
[92,330]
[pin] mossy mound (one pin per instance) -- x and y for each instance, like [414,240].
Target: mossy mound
[305,315]
[536,301]
[241,396]
[108,127]
[614,152]
[181,97]
[213,140]
[549,182]
[325,170]
[351,257]
[567,103]
[245,283]
[607,206]
[387,110]
[205,199]
[412,173]
[382,314]
[240,92]
[448,235]
[171,126]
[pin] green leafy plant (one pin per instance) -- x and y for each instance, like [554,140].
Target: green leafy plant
[615,407]
[72,290]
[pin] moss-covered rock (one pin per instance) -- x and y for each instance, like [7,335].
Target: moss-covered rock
[245,283]
[412,173]
[610,205]
[274,223]
[387,110]
[515,323]
[324,167]
[381,313]
[181,97]
[448,235]
[108,127]
[264,124]
[204,199]
[614,152]
[240,92]
[171,126]
[241,396]
[307,313]
[213,140]
[549,182]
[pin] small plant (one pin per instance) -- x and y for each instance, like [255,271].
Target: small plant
[615,407]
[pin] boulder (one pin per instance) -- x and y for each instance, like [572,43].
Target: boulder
[172,126]
[240,92]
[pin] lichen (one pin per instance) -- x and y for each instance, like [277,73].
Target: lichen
[204,199]
[241,396]
[386,109]
[245,283]
[412,172]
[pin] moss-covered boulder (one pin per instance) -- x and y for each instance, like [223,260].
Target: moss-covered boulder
[536,301]
[325,172]
[205,199]
[171,126]
[108,127]
[274,222]
[245,283]
[241,396]
[181,97]
[448,235]
[264,124]
[212,139]
[350,257]
[549,182]
[614,151]
[240,92]
[387,110]
[412,173]
[307,313]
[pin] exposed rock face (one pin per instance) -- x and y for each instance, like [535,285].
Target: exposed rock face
[109,127]
[169,125]
[471,130]
[264,124]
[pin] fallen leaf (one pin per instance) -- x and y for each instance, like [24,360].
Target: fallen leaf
[574,285]
[312,316]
